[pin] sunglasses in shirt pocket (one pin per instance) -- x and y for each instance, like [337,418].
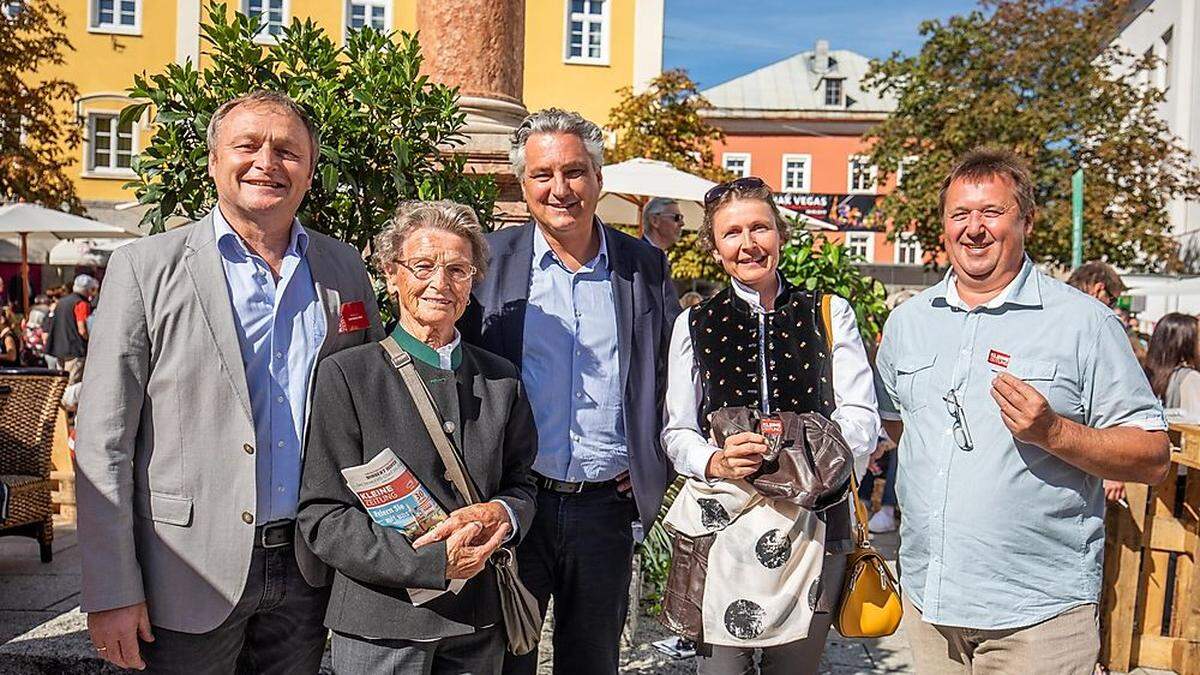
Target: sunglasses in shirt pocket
[914,375]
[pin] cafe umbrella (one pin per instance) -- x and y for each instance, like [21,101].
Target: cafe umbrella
[29,221]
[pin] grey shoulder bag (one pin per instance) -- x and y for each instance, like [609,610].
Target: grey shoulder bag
[522,620]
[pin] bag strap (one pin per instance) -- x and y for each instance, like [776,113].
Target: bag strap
[455,468]
[862,536]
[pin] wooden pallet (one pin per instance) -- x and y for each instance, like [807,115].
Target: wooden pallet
[1150,609]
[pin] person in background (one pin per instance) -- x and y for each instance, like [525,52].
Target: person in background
[1011,396]
[1099,280]
[33,328]
[663,222]
[1172,361]
[885,461]
[69,330]
[690,299]
[10,338]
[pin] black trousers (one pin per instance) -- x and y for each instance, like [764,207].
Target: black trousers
[580,551]
[276,627]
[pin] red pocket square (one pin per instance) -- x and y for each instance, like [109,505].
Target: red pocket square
[352,316]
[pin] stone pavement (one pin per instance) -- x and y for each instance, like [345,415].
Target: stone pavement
[42,631]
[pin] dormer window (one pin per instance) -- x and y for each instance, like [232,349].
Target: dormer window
[833,92]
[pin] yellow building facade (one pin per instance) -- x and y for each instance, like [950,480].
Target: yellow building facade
[578,53]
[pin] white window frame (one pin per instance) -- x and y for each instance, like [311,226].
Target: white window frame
[874,171]
[743,156]
[605,36]
[265,37]
[908,241]
[841,102]
[348,5]
[866,238]
[908,160]
[1166,48]
[90,170]
[806,177]
[94,25]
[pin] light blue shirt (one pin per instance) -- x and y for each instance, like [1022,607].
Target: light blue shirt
[1004,535]
[570,367]
[280,326]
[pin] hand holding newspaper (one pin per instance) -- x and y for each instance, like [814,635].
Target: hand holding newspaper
[395,498]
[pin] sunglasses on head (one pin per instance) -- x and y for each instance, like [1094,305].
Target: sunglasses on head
[717,191]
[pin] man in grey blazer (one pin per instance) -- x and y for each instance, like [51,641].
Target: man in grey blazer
[193,414]
[585,312]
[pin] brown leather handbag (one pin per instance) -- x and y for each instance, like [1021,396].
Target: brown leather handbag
[683,599]
[808,463]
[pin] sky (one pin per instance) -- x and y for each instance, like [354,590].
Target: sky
[717,40]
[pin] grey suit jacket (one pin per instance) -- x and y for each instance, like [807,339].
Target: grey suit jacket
[646,307]
[164,456]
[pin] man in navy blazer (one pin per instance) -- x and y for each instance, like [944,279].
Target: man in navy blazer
[585,312]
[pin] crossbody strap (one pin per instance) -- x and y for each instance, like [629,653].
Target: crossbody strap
[862,537]
[457,472]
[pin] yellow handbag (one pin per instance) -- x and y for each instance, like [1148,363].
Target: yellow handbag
[870,604]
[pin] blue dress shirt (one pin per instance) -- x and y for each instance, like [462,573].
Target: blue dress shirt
[280,326]
[570,367]
[1000,534]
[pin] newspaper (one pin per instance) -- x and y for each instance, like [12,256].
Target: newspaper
[393,497]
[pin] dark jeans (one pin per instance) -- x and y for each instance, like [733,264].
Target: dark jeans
[479,653]
[866,488]
[276,627]
[580,551]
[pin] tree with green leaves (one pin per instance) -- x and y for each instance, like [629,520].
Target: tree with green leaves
[1040,78]
[383,125]
[663,122]
[38,129]
[815,263]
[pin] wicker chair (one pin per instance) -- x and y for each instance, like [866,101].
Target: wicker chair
[29,400]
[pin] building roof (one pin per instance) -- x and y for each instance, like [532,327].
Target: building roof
[797,84]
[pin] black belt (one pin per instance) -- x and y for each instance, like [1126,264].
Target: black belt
[568,488]
[276,534]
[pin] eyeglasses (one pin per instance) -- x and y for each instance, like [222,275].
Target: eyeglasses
[424,269]
[717,191]
[962,435]
[673,217]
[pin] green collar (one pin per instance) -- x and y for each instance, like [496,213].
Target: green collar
[423,352]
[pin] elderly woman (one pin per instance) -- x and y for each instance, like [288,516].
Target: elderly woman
[379,611]
[760,344]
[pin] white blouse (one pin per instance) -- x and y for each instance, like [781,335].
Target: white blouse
[856,410]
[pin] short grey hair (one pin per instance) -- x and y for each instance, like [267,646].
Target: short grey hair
[556,121]
[655,207]
[443,215]
[84,283]
[265,98]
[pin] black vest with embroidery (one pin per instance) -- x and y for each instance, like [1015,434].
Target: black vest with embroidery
[733,345]
[725,334]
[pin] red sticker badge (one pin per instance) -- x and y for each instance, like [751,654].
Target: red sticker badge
[352,317]
[772,430]
[998,359]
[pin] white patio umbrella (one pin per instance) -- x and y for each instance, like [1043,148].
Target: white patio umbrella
[29,220]
[84,252]
[630,184]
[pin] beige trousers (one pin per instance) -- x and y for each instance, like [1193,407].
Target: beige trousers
[1067,644]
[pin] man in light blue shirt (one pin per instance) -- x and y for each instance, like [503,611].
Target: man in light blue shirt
[1015,396]
[585,313]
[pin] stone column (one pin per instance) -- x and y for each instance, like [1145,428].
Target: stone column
[479,46]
